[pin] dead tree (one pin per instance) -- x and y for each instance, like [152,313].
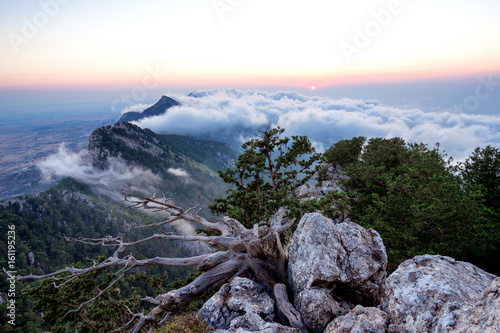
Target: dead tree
[255,252]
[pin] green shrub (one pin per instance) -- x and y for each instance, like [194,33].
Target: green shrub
[187,323]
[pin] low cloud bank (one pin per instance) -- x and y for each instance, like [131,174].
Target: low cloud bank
[109,181]
[324,120]
[135,108]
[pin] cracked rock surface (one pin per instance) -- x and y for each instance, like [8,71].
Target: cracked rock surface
[344,259]
[235,299]
[433,293]
[252,322]
[360,320]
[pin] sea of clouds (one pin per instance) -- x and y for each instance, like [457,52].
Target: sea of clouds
[324,120]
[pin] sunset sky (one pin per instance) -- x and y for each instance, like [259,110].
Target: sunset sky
[56,43]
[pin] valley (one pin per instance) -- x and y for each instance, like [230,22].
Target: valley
[26,138]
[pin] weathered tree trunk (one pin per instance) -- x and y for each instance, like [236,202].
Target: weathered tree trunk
[257,253]
[286,312]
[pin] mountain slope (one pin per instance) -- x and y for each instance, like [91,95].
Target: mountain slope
[75,208]
[185,166]
[180,167]
[159,108]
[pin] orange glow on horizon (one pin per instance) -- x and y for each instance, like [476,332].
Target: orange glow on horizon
[304,80]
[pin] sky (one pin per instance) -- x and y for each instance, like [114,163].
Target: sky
[425,70]
[205,43]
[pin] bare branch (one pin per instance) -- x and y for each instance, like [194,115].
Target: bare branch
[151,300]
[129,322]
[101,292]
[198,205]
[113,262]
[144,203]
[278,223]
[173,237]
[150,317]
[257,252]
[236,227]
[286,312]
[177,218]
[109,241]
[177,212]
[91,241]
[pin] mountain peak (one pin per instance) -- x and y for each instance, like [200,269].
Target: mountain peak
[157,109]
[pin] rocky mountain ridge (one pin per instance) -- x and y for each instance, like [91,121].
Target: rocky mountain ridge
[157,109]
[131,142]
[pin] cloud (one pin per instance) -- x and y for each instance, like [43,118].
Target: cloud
[324,120]
[178,172]
[110,180]
[136,108]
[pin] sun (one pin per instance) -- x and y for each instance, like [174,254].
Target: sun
[313,87]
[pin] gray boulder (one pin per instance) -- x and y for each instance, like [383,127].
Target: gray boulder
[360,320]
[332,266]
[483,316]
[342,257]
[306,191]
[330,184]
[235,299]
[432,293]
[317,307]
[252,322]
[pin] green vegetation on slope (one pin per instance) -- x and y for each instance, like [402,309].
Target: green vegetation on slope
[161,154]
[73,209]
[419,203]
[41,222]
[265,178]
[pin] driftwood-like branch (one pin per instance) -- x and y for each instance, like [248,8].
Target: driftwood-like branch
[286,312]
[115,262]
[118,242]
[176,213]
[256,252]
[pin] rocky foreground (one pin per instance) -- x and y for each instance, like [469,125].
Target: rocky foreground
[337,272]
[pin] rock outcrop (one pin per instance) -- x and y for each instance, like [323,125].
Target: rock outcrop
[484,315]
[329,184]
[239,307]
[317,307]
[360,320]
[335,266]
[252,322]
[337,275]
[432,294]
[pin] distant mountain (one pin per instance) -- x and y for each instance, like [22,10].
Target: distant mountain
[151,150]
[185,166]
[168,166]
[182,168]
[159,108]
